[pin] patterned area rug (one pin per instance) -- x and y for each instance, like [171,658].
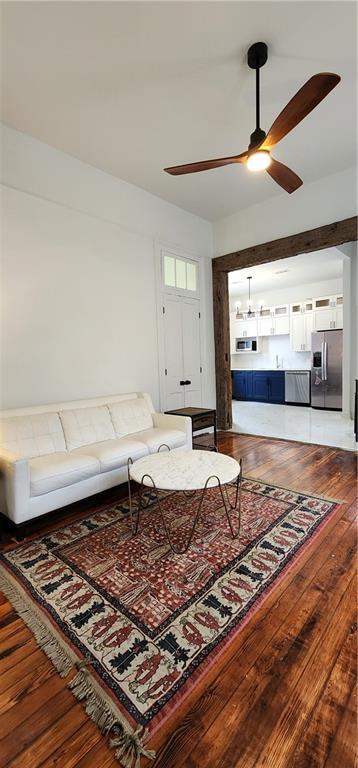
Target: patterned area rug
[140,624]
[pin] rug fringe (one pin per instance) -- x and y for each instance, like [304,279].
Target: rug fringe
[130,748]
[44,636]
[128,745]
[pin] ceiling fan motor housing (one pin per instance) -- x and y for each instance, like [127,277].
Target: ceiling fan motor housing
[256,138]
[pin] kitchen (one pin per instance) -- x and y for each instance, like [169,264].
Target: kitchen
[287,349]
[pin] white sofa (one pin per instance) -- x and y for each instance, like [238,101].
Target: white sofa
[53,455]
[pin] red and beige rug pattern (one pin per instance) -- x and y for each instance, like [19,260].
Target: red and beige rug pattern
[140,624]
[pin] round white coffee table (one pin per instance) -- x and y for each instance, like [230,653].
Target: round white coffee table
[190,473]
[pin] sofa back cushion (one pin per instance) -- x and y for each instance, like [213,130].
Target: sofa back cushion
[130,416]
[33,435]
[83,426]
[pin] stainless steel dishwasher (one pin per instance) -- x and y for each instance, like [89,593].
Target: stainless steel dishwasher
[298,387]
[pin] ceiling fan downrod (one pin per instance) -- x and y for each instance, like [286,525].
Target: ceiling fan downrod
[256,58]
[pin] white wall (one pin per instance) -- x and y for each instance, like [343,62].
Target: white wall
[78,278]
[313,205]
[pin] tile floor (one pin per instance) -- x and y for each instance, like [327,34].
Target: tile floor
[294,423]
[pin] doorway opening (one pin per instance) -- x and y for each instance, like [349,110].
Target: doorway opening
[342,234]
[288,359]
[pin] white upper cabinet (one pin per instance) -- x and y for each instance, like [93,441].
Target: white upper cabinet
[301,329]
[265,323]
[281,324]
[308,331]
[297,332]
[274,321]
[328,319]
[282,310]
[339,317]
[302,306]
[328,313]
[245,328]
[324,302]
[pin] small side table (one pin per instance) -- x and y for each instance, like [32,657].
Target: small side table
[201,418]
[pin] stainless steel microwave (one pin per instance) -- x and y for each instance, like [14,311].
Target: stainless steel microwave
[246,345]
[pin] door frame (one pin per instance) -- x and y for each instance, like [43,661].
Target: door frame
[161,293]
[329,235]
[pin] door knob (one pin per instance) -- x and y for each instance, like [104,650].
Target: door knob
[182,383]
[187,382]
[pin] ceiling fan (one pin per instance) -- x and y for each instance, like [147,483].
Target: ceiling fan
[258,155]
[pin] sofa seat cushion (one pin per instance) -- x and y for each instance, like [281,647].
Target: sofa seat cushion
[155,437]
[130,416]
[83,426]
[113,454]
[49,473]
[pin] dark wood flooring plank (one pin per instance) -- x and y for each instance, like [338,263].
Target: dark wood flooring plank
[343,752]
[7,641]
[291,706]
[24,686]
[12,718]
[21,669]
[56,737]
[248,698]
[324,720]
[249,646]
[18,740]
[100,756]
[74,749]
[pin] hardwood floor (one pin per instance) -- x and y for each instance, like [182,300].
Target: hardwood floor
[283,694]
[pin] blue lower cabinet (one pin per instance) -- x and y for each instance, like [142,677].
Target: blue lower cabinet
[276,386]
[260,386]
[239,385]
[249,384]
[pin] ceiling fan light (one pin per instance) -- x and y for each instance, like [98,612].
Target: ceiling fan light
[258,161]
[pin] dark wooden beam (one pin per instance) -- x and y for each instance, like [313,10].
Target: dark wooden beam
[222,350]
[313,240]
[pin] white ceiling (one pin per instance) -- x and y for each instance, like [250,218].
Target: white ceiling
[284,273]
[133,87]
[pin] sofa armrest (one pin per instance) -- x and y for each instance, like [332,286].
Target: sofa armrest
[169,421]
[14,485]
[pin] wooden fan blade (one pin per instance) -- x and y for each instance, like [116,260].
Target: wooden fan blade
[205,165]
[283,176]
[306,99]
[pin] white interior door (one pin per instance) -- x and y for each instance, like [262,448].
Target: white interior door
[173,351]
[191,352]
[182,364]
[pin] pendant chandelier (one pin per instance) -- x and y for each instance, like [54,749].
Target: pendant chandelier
[249,303]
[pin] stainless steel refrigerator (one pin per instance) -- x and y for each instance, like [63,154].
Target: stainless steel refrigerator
[326,370]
